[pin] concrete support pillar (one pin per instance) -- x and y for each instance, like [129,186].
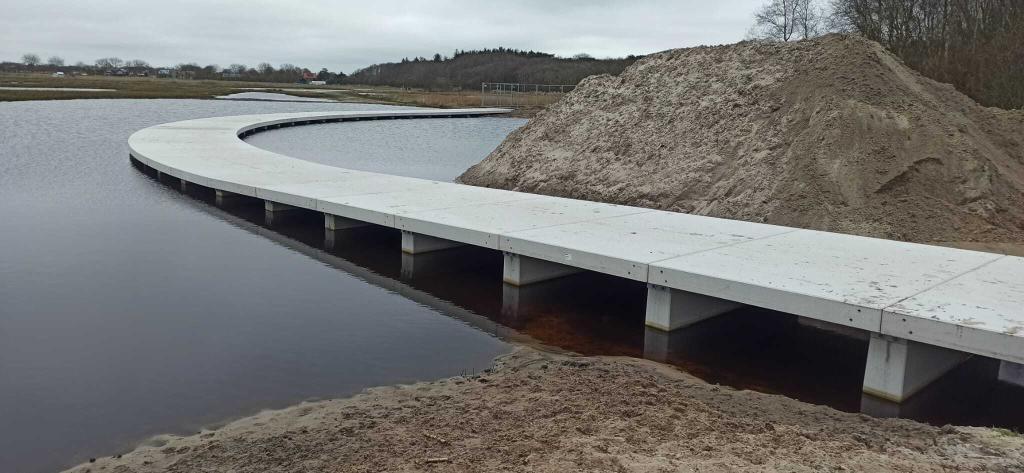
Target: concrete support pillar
[334,222]
[897,368]
[1012,373]
[522,270]
[271,206]
[416,243]
[225,198]
[424,263]
[669,309]
[183,184]
[658,344]
[330,239]
[518,301]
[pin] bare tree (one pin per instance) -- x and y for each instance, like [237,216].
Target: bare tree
[137,63]
[776,20]
[55,61]
[809,18]
[264,68]
[109,63]
[785,20]
[30,59]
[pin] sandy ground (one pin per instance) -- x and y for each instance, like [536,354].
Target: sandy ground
[538,411]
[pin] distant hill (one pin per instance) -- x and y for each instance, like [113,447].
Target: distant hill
[467,69]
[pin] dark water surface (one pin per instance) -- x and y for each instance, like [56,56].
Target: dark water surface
[128,308]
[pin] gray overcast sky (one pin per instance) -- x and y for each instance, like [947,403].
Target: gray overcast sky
[343,35]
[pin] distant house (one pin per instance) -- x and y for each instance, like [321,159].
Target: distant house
[306,77]
[57,74]
[317,82]
[164,73]
[229,74]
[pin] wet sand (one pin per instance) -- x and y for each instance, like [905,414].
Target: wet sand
[539,411]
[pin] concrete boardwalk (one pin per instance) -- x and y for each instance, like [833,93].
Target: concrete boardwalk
[926,306]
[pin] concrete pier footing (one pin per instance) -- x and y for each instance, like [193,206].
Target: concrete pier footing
[334,222]
[416,243]
[522,270]
[669,309]
[896,368]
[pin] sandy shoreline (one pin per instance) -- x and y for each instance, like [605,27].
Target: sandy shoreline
[540,411]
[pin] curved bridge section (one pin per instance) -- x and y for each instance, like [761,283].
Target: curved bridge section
[926,308]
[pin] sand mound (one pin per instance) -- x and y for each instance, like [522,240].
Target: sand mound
[538,412]
[833,134]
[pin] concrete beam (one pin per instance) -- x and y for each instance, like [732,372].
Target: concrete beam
[416,243]
[669,309]
[335,222]
[271,206]
[522,270]
[897,369]
[834,328]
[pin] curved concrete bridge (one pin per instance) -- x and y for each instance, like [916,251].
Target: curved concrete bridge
[926,308]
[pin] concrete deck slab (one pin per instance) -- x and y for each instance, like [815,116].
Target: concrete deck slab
[965,300]
[623,246]
[482,223]
[843,279]
[977,312]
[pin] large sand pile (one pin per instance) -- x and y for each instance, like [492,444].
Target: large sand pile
[833,134]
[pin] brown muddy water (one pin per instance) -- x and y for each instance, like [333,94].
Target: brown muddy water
[129,309]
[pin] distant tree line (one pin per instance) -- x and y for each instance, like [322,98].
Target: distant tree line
[264,72]
[976,45]
[467,69]
[464,69]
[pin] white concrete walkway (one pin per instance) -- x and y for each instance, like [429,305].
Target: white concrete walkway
[927,296]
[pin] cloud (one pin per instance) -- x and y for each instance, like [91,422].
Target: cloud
[348,35]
